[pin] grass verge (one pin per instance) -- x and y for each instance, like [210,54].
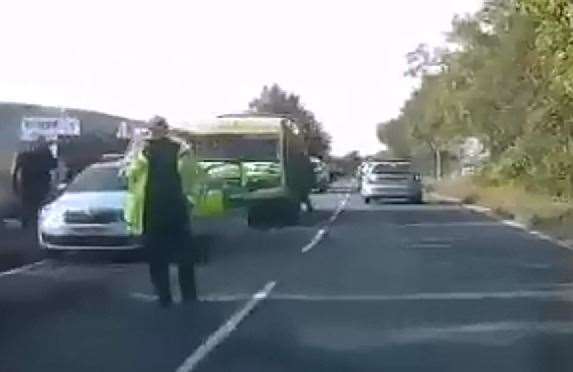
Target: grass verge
[533,210]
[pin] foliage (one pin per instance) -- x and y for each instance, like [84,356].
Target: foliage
[274,100]
[396,136]
[508,81]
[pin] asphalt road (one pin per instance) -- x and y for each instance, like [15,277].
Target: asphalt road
[432,287]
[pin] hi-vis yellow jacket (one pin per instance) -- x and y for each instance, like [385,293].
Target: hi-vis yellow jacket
[193,184]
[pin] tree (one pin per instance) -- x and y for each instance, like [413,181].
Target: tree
[274,100]
[508,82]
[395,135]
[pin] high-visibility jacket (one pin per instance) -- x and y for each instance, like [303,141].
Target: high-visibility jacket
[192,179]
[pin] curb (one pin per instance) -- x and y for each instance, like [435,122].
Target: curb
[567,244]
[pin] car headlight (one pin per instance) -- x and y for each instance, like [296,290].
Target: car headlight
[51,217]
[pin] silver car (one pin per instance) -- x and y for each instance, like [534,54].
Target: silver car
[391,180]
[88,215]
[321,174]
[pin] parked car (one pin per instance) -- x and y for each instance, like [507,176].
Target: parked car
[88,215]
[392,179]
[362,170]
[321,174]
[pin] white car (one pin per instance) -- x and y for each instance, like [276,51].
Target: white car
[88,215]
[321,174]
[392,180]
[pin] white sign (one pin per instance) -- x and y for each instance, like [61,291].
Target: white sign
[49,128]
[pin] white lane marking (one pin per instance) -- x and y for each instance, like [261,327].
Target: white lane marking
[430,245]
[477,208]
[315,240]
[560,291]
[485,210]
[453,224]
[320,234]
[512,223]
[489,333]
[447,199]
[558,294]
[22,269]
[339,209]
[225,330]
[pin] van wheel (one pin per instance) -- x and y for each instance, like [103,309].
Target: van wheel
[289,212]
[255,216]
[419,199]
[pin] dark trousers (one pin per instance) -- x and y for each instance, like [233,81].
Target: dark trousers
[163,250]
[30,205]
[308,204]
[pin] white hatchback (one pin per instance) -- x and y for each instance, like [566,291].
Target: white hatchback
[88,215]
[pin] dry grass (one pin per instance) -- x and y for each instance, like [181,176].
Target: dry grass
[514,202]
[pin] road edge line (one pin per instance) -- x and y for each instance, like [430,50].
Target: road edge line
[22,269]
[511,223]
[322,232]
[224,331]
[315,240]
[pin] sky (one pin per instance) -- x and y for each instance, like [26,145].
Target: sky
[190,60]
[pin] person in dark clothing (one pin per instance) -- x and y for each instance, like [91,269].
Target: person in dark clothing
[166,224]
[309,182]
[31,179]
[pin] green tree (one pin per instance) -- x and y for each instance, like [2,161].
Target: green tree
[395,135]
[274,100]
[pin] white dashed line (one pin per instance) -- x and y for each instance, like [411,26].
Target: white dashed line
[339,209]
[317,238]
[225,330]
[320,234]
[22,269]
[145,297]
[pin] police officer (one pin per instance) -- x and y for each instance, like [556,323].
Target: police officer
[308,182]
[160,210]
[31,179]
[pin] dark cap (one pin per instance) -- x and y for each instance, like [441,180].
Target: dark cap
[158,122]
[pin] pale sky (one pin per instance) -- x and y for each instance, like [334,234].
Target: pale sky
[190,60]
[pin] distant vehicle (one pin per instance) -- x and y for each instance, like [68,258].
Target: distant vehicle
[321,174]
[362,170]
[393,180]
[88,215]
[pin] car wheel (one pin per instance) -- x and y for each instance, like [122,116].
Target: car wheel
[367,200]
[418,199]
[53,254]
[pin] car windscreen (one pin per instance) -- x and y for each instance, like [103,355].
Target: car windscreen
[96,179]
[391,168]
[237,147]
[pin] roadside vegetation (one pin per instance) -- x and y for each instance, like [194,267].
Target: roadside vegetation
[505,78]
[274,100]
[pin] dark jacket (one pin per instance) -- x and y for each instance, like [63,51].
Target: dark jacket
[31,178]
[165,209]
